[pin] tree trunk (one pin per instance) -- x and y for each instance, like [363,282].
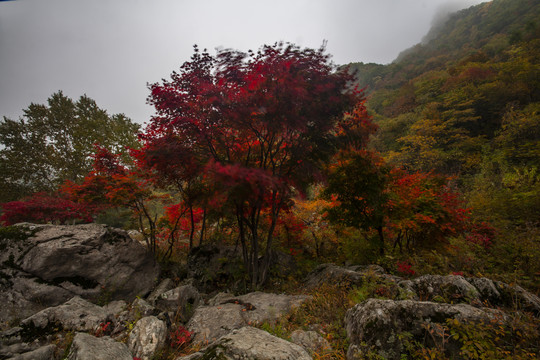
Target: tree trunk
[203,226]
[266,264]
[192,221]
[381,239]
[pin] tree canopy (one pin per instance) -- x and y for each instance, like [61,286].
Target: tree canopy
[257,127]
[54,142]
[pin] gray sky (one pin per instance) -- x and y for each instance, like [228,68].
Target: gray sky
[110,49]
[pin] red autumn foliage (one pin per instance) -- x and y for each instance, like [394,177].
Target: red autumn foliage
[111,185]
[422,208]
[481,233]
[405,268]
[180,337]
[180,221]
[240,133]
[415,209]
[44,208]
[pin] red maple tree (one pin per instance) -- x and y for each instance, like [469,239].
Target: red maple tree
[246,131]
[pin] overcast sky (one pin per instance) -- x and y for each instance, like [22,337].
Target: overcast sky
[110,49]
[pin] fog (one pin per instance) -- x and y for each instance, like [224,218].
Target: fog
[111,49]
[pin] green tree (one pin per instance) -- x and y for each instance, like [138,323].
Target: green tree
[356,186]
[54,142]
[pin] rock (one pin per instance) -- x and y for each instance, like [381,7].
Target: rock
[333,274]
[311,341]
[220,298]
[358,276]
[376,324]
[10,350]
[10,337]
[164,286]
[374,269]
[211,322]
[476,291]
[148,337]
[168,301]
[45,265]
[141,308]
[118,312]
[251,343]
[88,347]
[25,295]
[516,297]
[450,288]
[486,288]
[214,267]
[260,306]
[75,315]
[188,300]
[42,353]
[126,319]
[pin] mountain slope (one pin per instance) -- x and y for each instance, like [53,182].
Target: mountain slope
[466,103]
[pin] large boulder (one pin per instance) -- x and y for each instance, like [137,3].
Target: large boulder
[45,265]
[449,288]
[376,325]
[182,301]
[76,314]
[333,274]
[344,276]
[88,347]
[260,307]
[475,291]
[311,341]
[42,353]
[514,296]
[211,322]
[251,343]
[436,288]
[148,337]
[227,312]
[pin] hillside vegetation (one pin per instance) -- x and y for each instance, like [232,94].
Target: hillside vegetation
[465,103]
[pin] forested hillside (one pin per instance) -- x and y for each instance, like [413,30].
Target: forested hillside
[465,103]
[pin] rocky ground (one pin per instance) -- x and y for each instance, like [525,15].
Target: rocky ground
[91,292]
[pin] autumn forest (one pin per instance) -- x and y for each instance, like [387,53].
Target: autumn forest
[427,165]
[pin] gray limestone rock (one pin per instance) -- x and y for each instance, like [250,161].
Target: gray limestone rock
[164,286]
[260,306]
[76,314]
[46,265]
[515,297]
[450,288]
[148,337]
[333,274]
[211,322]
[141,308]
[486,288]
[188,300]
[251,343]
[43,353]
[376,324]
[88,347]
[311,341]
